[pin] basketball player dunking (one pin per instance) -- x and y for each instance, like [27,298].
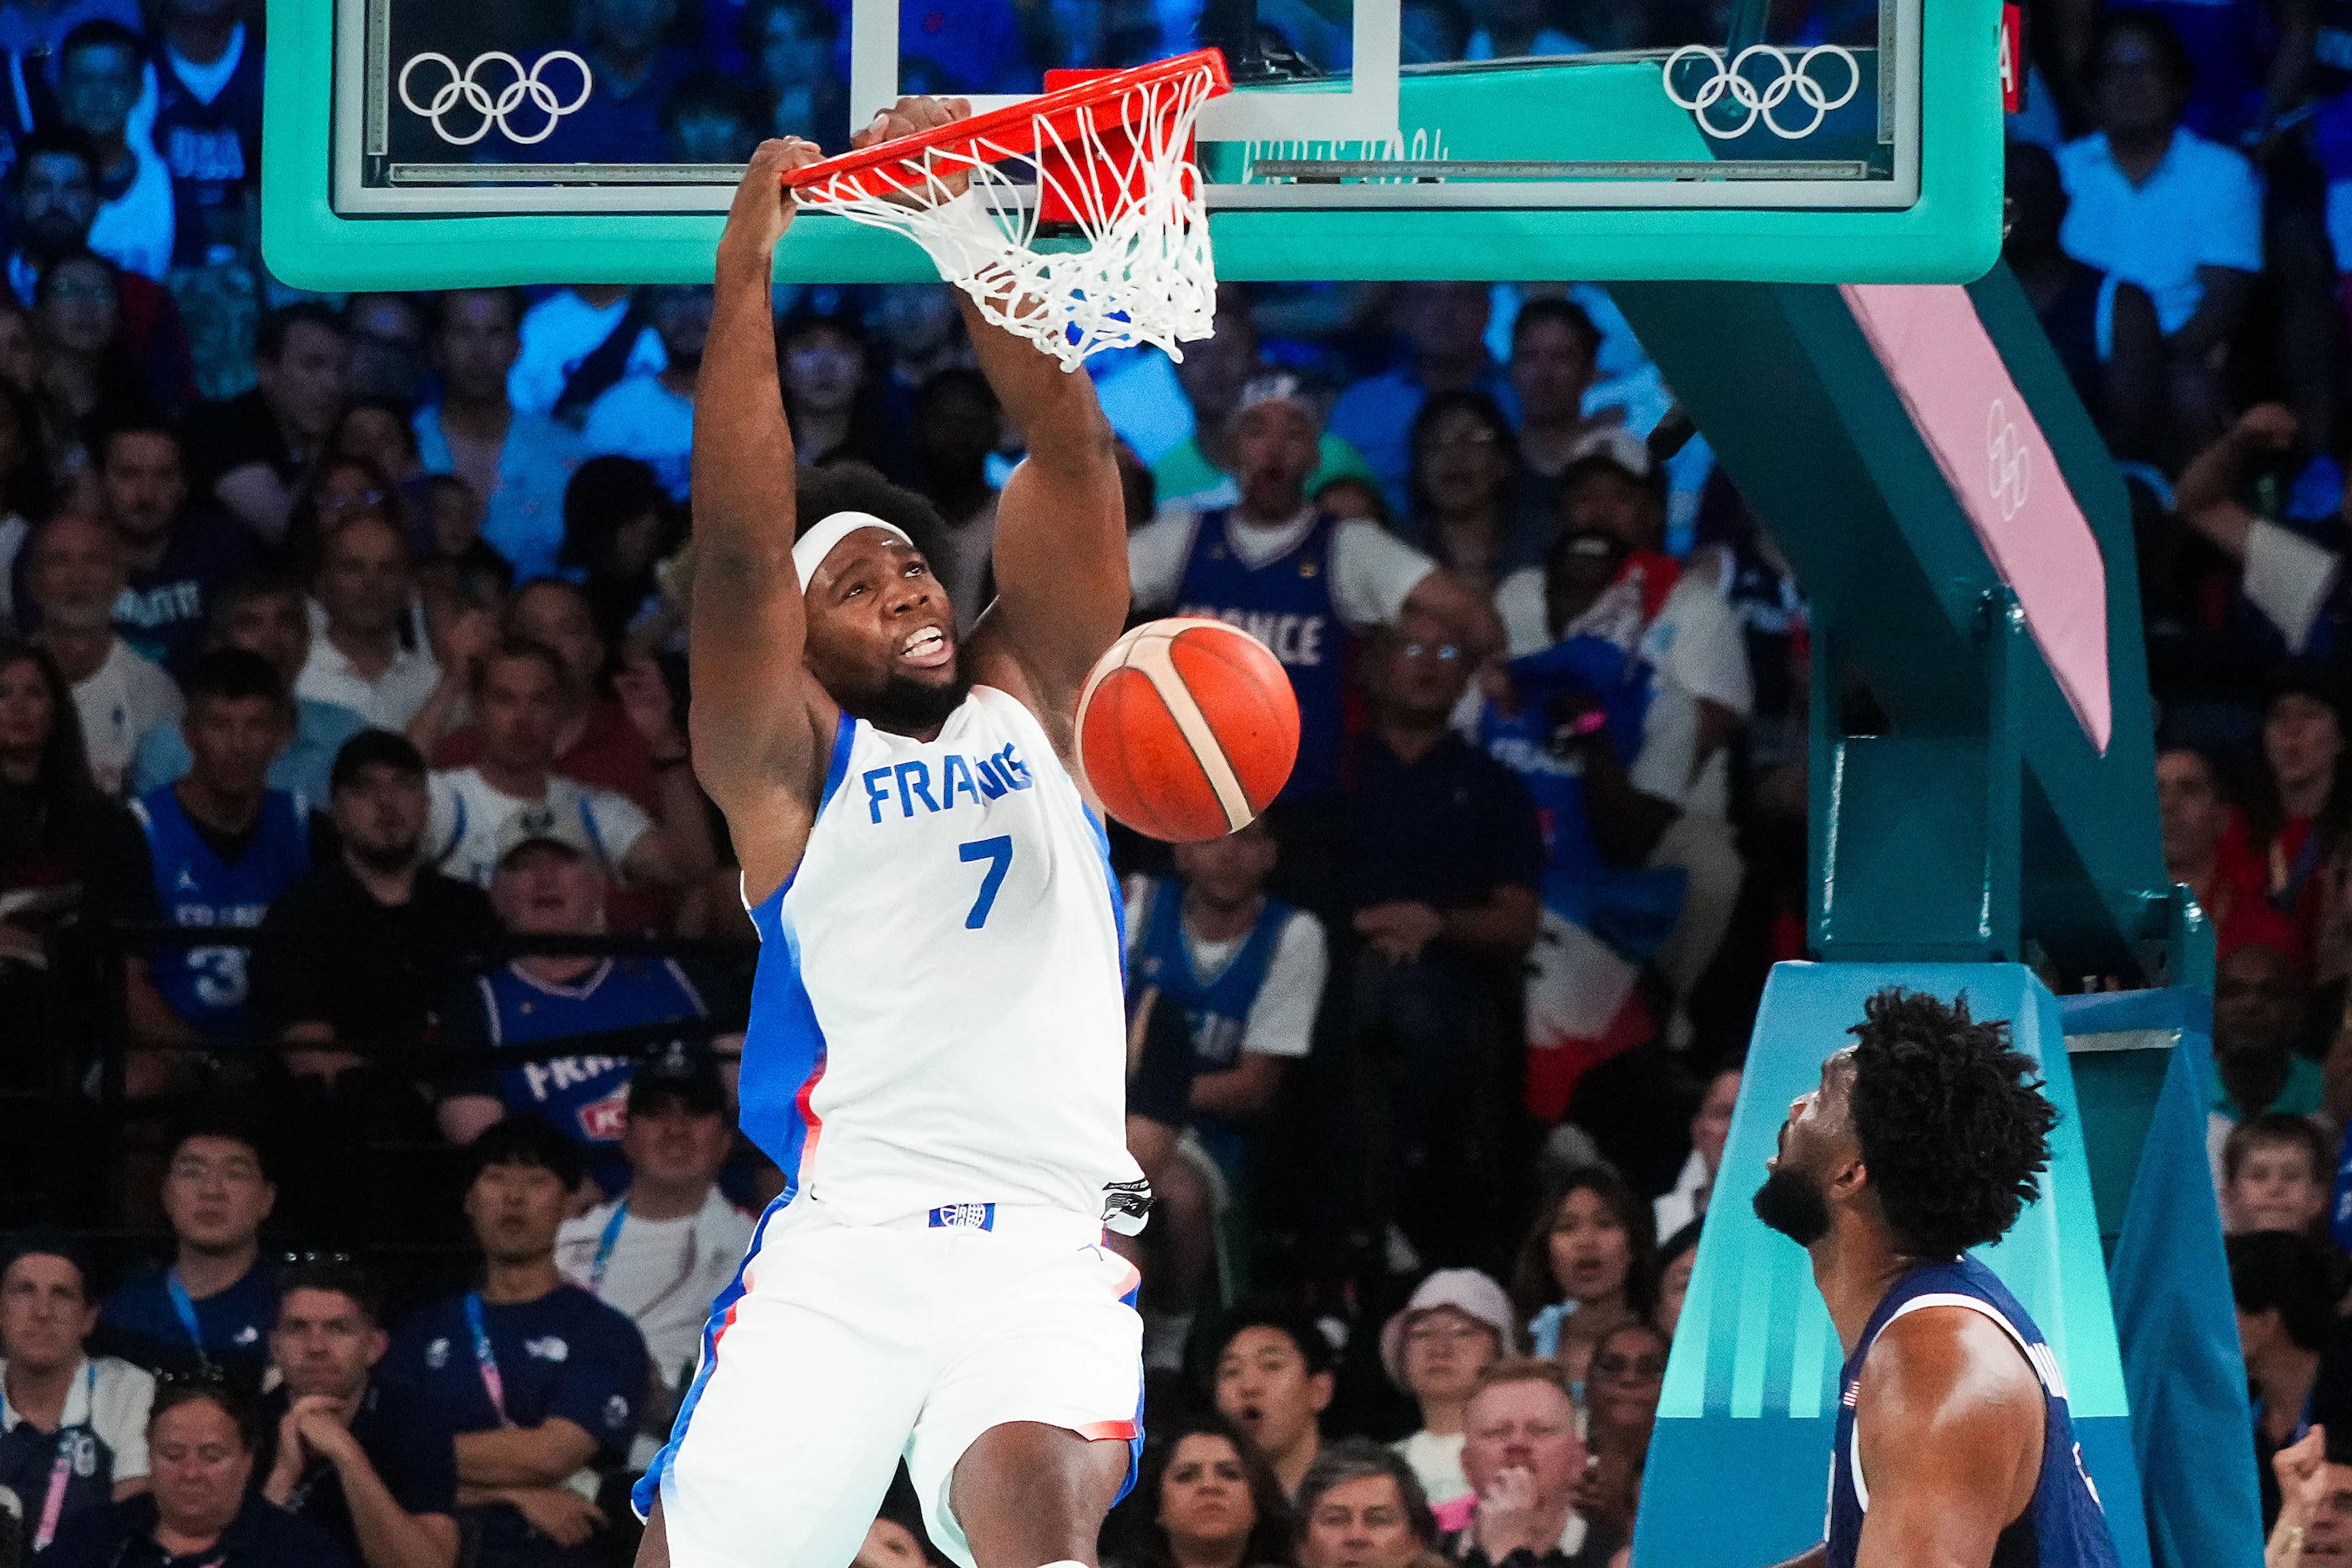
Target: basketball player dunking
[1954,1447]
[936,1055]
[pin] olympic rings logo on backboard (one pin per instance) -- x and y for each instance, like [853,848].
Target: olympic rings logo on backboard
[2007,460]
[462,92]
[1733,82]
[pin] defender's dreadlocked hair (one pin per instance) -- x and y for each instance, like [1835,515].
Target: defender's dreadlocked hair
[1952,1124]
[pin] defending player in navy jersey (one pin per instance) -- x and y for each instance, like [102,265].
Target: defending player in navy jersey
[936,1053]
[1954,1447]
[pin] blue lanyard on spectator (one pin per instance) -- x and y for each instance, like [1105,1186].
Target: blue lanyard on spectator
[186,1309]
[486,1359]
[53,1505]
[605,1248]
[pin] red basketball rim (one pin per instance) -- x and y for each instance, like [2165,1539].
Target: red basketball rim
[1069,112]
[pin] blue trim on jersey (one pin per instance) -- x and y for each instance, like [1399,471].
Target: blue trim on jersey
[643,1496]
[1110,876]
[1134,1443]
[844,736]
[784,1050]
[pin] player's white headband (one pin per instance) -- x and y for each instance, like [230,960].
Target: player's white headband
[810,550]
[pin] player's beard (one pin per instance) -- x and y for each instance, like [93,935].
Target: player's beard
[906,706]
[1792,1203]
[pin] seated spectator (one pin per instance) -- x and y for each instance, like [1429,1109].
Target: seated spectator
[74,575]
[1198,472]
[1359,1506]
[576,342]
[794,43]
[265,614]
[366,1464]
[710,120]
[209,128]
[2158,206]
[86,378]
[1447,855]
[1555,351]
[1245,972]
[102,69]
[2257,1003]
[361,660]
[458,571]
[377,430]
[517,463]
[2194,816]
[223,842]
[1463,512]
[518,699]
[1457,1323]
[1525,1457]
[618,525]
[1678,1255]
[2275,1174]
[538,1378]
[73,1427]
[1628,1374]
[201,1441]
[626,1251]
[213,1306]
[1585,1267]
[252,451]
[548,882]
[1206,1500]
[2105,329]
[650,416]
[896,1538]
[388,350]
[1710,1129]
[2297,802]
[2315,1521]
[635,68]
[956,427]
[180,556]
[2293,581]
[1272,1378]
[832,395]
[2285,1288]
[1443,327]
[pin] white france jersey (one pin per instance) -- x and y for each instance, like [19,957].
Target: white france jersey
[939,1016]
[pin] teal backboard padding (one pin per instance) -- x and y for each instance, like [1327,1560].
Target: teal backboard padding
[1602,110]
[1739,1465]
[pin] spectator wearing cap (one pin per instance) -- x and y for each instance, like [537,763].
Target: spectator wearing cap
[1710,1129]
[2298,802]
[73,1427]
[253,453]
[670,1243]
[519,702]
[1444,326]
[539,1380]
[223,842]
[201,1509]
[1457,1323]
[517,463]
[263,614]
[549,883]
[367,1464]
[1272,1378]
[1524,1456]
[1198,472]
[1303,583]
[74,577]
[363,659]
[1360,1506]
[211,1308]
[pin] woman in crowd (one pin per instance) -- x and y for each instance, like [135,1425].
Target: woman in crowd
[200,1441]
[1206,1500]
[1463,455]
[86,375]
[1672,1275]
[1621,1395]
[616,528]
[1585,1267]
[377,429]
[1458,1323]
[2298,802]
[828,396]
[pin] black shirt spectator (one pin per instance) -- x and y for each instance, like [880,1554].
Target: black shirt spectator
[250,453]
[180,557]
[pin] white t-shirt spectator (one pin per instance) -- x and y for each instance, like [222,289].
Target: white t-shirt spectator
[642,418]
[1676,1209]
[468,812]
[2288,578]
[136,229]
[1436,1462]
[1372,571]
[1282,1016]
[123,699]
[557,333]
[387,703]
[2202,206]
[663,1273]
[110,1397]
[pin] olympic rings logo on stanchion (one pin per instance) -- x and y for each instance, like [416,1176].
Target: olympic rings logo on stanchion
[2007,460]
[463,92]
[1733,82]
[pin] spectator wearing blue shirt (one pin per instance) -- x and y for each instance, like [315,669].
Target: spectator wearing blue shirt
[263,614]
[651,416]
[366,1464]
[538,1378]
[101,76]
[213,1306]
[517,463]
[1445,330]
[208,125]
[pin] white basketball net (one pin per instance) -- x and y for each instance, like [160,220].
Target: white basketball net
[1143,274]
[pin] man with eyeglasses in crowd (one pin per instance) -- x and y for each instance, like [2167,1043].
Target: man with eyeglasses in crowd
[367,1464]
[73,1428]
[213,1305]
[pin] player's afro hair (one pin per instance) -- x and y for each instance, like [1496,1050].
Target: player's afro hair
[1952,1123]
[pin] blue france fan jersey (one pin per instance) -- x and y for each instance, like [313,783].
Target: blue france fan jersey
[2063,1526]
[1216,1006]
[206,985]
[1286,605]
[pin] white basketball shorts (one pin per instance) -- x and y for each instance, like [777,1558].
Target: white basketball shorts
[842,1349]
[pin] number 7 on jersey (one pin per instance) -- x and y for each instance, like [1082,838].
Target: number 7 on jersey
[998,853]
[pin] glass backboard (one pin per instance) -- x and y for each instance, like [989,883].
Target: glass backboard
[430,142]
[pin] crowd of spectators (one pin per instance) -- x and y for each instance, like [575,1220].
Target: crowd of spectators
[356,891]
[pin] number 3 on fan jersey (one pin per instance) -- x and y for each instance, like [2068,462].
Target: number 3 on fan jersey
[998,853]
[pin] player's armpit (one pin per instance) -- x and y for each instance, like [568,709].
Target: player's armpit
[1948,1432]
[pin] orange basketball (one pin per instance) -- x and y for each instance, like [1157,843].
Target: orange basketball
[1187,729]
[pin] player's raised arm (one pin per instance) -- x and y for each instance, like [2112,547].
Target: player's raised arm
[759,721]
